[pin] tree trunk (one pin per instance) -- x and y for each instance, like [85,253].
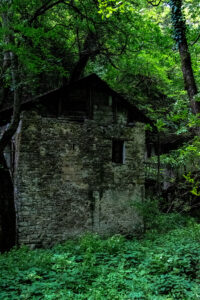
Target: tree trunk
[188,75]
[7,135]
[186,64]
[6,54]
[7,209]
[90,49]
[10,61]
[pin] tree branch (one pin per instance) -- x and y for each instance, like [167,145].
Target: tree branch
[40,11]
[198,37]
[112,63]
[153,2]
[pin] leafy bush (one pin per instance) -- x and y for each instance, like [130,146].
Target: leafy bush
[160,266]
[155,220]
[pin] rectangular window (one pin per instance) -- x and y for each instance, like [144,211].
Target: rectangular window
[118,151]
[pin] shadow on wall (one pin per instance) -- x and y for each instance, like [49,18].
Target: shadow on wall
[7,209]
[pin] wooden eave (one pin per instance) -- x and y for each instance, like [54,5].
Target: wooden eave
[92,79]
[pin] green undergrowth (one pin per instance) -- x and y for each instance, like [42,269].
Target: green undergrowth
[158,266]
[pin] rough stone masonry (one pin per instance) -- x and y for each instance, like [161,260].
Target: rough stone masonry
[66,182]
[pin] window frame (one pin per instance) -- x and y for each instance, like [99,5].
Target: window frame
[118,151]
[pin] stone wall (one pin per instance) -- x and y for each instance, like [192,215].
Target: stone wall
[66,183]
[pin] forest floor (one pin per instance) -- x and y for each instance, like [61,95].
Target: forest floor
[161,265]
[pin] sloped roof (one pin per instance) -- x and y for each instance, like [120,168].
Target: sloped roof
[91,80]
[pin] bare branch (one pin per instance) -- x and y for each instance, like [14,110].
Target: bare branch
[198,37]
[112,63]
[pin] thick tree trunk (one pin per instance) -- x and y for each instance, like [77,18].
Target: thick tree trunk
[188,75]
[7,135]
[79,67]
[180,37]
[7,208]
[90,49]
[10,61]
[6,54]
[4,87]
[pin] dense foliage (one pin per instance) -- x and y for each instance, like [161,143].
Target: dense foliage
[157,267]
[129,44]
[133,45]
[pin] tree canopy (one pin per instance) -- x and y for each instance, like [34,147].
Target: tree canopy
[134,46]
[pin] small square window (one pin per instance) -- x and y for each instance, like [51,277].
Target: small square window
[118,151]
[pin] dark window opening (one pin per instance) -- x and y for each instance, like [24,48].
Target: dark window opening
[118,151]
[131,118]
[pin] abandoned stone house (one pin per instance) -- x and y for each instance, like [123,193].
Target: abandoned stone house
[77,163]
